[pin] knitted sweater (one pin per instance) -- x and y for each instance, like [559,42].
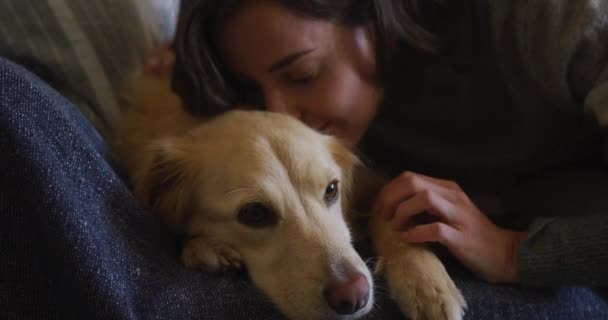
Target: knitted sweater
[519,95]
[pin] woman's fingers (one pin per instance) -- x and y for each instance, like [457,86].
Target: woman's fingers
[432,232]
[406,186]
[444,183]
[466,232]
[422,202]
[397,191]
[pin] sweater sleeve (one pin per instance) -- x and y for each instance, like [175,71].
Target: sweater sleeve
[560,48]
[565,251]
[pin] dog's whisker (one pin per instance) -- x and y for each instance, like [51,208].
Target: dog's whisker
[371,261]
[381,291]
[373,313]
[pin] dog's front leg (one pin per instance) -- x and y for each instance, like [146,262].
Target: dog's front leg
[417,279]
[200,253]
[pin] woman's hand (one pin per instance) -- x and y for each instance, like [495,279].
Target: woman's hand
[484,248]
[160,60]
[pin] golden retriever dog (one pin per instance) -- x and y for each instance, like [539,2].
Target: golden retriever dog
[263,191]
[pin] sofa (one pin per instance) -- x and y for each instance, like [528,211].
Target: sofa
[74,241]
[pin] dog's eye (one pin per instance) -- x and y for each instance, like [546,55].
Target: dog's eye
[257,215]
[331,193]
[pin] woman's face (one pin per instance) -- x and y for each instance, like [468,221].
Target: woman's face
[317,71]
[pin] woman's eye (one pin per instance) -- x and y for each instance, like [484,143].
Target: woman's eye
[301,75]
[331,193]
[301,79]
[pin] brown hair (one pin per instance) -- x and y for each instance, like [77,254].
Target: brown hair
[207,89]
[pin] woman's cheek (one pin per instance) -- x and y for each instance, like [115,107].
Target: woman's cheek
[343,93]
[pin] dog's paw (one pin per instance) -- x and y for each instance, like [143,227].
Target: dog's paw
[424,289]
[437,299]
[198,253]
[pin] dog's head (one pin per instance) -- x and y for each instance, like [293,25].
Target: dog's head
[271,191]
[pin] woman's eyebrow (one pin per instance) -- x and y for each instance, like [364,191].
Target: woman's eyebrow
[289,60]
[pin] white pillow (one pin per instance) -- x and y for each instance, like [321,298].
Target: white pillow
[86,48]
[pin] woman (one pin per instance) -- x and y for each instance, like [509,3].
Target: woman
[483,112]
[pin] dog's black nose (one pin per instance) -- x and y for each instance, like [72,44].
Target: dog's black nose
[349,296]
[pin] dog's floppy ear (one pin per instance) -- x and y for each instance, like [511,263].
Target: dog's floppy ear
[360,184]
[160,183]
[348,161]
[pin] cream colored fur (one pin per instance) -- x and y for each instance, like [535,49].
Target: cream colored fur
[198,174]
